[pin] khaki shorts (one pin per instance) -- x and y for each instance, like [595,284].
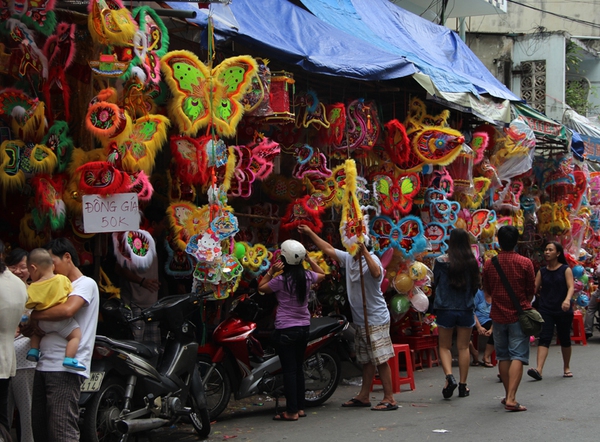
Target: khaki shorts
[381,345]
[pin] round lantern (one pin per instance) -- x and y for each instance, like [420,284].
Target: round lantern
[402,283]
[400,304]
[417,271]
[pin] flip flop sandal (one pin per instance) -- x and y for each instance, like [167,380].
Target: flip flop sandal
[487,364]
[516,407]
[385,406]
[282,417]
[567,374]
[356,403]
[534,374]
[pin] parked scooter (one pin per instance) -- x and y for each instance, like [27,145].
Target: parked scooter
[135,387]
[235,359]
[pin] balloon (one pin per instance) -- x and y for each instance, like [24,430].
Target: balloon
[384,285]
[402,283]
[387,256]
[578,286]
[584,279]
[239,250]
[583,300]
[578,271]
[420,302]
[400,304]
[417,271]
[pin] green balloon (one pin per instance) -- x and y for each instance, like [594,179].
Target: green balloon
[584,278]
[239,250]
[400,304]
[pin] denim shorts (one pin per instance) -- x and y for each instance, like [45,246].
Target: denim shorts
[454,318]
[511,343]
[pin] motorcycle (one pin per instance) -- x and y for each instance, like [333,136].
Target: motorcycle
[236,361]
[135,387]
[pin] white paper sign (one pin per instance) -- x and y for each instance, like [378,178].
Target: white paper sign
[115,213]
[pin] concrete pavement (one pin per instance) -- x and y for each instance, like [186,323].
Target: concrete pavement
[558,409]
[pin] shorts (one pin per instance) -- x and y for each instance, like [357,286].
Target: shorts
[455,318]
[64,328]
[381,345]
[511,343]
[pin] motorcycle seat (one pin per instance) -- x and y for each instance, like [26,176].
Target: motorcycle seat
[147,350]
[322,326]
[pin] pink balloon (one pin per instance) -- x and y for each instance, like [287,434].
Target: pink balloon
[385,284]
[386,258]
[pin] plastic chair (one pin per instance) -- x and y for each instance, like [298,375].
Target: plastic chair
[394,363]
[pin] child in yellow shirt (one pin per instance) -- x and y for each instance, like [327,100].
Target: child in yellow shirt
[45,291]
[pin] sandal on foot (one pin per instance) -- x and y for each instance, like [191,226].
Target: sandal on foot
[487,364]
[534,374]
[356,403]
[448,390]
[301,414]
[567,374]
[516,407]
[385,406]
[463,391]
[476,363]
[503,401]
[283,417]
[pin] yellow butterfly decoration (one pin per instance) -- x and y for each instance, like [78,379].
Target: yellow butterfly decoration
[204,96]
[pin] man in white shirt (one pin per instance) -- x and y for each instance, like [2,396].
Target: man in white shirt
[56,389]
[372,353]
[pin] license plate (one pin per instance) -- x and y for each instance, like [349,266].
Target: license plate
[93,383]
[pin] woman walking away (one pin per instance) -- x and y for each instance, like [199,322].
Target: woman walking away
[292,320]
[555,285]
[456,280]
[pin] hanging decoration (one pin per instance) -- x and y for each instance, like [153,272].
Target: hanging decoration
[203,96]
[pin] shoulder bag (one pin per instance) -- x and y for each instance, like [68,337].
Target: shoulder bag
[531,321]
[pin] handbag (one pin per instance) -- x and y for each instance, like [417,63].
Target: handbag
[531,321]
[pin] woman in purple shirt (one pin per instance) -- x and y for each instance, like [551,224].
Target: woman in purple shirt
[292,320]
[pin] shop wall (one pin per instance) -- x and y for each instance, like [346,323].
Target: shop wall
[495,52]
[519,19]
[551,48]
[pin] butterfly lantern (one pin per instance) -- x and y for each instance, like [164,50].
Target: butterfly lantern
[407,236]
[203,96]
[395,196]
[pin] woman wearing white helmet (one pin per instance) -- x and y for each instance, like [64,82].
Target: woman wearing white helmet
[292,320]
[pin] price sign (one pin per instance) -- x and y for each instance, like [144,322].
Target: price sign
[115,213]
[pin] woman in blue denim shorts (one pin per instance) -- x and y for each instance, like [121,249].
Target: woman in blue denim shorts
[456,279]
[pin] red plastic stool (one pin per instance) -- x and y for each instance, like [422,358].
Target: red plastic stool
[394,363]
[578,330]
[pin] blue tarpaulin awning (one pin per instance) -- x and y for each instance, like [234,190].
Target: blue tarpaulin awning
[361,39]
[435,50]
[293,35]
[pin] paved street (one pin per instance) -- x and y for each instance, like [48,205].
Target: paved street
[558,409]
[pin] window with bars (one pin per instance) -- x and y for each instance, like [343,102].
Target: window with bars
[533,84]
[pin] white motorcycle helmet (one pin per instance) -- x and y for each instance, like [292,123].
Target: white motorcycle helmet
[293,252]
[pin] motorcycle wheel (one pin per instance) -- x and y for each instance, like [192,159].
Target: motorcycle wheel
[217,386]
[199,418]
[322,372]
[99,415]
